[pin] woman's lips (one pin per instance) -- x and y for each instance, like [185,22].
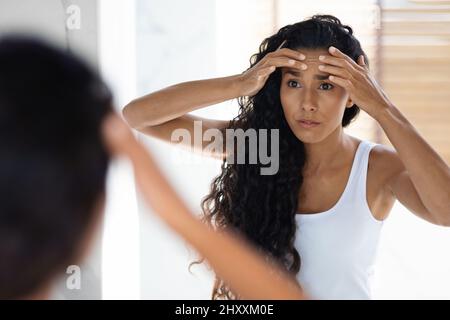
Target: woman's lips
[308,123]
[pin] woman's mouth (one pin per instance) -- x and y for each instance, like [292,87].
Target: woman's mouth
[308,123]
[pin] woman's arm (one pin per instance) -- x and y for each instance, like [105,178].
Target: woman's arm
[423,169]
[159,113]
[422,178]
[233,260]
[177,100]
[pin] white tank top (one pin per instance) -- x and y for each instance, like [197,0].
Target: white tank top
[338,247]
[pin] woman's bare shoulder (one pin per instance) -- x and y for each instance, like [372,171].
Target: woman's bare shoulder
[384,162]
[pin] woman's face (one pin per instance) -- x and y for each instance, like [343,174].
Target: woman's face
[309,95]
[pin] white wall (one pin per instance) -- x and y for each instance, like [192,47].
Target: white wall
[42,18]
[175,42]
[120,260]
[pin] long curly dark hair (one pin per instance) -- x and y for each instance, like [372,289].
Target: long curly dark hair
[263,207]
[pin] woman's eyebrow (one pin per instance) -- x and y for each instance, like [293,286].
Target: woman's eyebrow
[299,75]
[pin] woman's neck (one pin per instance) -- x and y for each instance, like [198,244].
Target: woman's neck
[328,153]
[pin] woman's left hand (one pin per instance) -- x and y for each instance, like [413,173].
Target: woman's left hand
[356,79]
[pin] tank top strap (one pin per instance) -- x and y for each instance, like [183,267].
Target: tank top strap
[358,177]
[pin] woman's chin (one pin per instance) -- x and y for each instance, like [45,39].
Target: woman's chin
[308,137]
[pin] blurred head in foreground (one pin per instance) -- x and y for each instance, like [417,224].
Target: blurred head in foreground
[52,166]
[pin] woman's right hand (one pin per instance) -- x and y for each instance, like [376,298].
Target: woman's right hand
[252,80]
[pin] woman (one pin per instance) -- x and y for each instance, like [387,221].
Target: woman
[335,188]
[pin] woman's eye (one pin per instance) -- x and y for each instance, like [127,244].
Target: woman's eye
[293,84]
[326,86]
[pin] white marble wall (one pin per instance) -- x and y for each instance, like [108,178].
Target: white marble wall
[175,42]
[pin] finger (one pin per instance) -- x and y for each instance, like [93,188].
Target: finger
[285,62]
[293,54]
[265,72]
[361,61]
[337,71]
[338,62]
[344,83]
[339,54]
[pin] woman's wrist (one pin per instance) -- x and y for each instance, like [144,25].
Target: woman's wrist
[235,85]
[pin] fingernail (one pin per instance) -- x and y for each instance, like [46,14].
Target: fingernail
[321,67]
[321,57]
[302,56]
[332,49]
[304,67]
[291,61]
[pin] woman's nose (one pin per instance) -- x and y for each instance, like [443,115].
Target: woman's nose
[309,102]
